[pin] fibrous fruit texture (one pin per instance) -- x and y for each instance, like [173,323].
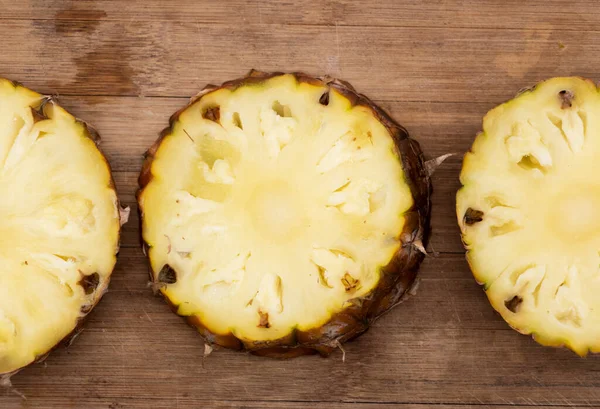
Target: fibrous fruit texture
[528,211]
[59,225]
[283,213]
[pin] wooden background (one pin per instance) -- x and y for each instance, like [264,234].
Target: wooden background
[437,66]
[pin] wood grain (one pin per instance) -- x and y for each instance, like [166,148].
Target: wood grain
[437,66]
[162,403]
[572,15]
[176,58]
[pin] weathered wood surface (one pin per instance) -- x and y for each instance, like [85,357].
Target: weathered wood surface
[437,66]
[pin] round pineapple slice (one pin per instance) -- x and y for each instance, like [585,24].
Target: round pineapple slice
[59,225]
[528,212]
[283,213]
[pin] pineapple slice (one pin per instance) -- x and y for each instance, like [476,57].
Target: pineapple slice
[528,212]
[59,225]
[282,213]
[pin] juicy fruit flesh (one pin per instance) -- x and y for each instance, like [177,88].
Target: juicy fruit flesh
[278,212]
[528,212]
[58,225]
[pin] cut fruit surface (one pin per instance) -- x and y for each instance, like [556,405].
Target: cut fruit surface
[528,212]
[59,225]
[281,213]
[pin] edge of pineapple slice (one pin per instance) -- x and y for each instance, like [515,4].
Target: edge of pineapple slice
[396,277]
[46,107]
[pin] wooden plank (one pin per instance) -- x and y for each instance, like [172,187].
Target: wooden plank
[443,345]
[573,15]
[436,66]
[182,403]
[387,63]
[445,234]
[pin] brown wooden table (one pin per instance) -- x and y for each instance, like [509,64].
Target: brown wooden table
[437,66]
